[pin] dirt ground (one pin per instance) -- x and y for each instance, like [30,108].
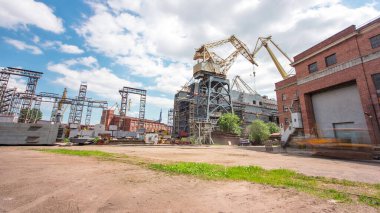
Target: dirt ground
[31,181]
[232,155]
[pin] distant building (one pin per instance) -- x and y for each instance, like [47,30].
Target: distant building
[130,123]
[335,91]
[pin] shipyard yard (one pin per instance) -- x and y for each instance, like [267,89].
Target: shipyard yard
[32,181]
[189,106]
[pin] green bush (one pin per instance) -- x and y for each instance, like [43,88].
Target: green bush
[30,115]
[229,123]
[273,128]
[96,140]
[259,131]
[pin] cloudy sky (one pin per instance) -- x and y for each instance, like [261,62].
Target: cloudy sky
[149,44]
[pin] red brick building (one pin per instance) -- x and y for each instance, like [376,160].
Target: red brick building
[130,123]
[336,87]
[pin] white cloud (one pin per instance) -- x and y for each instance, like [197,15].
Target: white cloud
[36,39]
[17,82]
[101,81]
[156,39]
[72,49]
[64,48]
[21,13]
[23,46]
[159,102]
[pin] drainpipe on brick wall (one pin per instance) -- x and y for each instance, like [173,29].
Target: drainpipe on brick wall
[369,92]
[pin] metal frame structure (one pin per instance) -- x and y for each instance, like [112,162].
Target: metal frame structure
[203,129]
[241,85]
[38,100]
[94,104]
[28,95]
[264,42]
[79,104]
[8,99]
[72,111]
[123,107]
[214,98]
[214,91]
[170,117]
[171,120]
[184,113]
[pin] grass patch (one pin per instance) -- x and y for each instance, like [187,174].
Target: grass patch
[85,153]
[371,201]
[328,188]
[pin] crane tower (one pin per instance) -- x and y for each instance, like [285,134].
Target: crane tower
[213,93]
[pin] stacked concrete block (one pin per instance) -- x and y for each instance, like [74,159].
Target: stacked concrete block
[28,134]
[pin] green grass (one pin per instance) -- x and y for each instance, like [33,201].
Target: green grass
[328,188]
[277,177]
[86,153]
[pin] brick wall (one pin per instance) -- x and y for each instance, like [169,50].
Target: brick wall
[130,123]
[285,89]
[355,45]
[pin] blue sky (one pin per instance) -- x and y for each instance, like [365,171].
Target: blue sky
[149,44]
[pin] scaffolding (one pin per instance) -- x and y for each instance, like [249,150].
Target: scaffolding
[184,111]
[8,98]
[171,119]
[94,104]
[26,98]
[214,97]
[203,128]
[77,105]
[123,109]
[72,111]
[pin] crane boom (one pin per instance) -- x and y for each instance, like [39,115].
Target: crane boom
[263,42]
[235,83]
[243,49]
[222,65]
[276,62]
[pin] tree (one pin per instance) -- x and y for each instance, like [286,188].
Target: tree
[230,123]
[258,131]
[30,115]
[273,128]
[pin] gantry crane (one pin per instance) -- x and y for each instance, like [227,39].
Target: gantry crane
[212,63]
[213,95]
[241,85]
[264,42]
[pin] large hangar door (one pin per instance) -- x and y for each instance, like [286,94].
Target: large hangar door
[338,113]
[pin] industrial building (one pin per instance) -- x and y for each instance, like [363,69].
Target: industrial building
[130,124]
[249,106]
[335,91]
[200,103]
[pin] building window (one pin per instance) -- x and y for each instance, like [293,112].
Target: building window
[375,41]
[376,81]
[330,60]
[283,97]
[284,108]
[254,102]
[260,103]
[313,67]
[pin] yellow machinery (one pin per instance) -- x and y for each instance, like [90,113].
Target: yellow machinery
[63,99]
[212,63]
[264,42]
